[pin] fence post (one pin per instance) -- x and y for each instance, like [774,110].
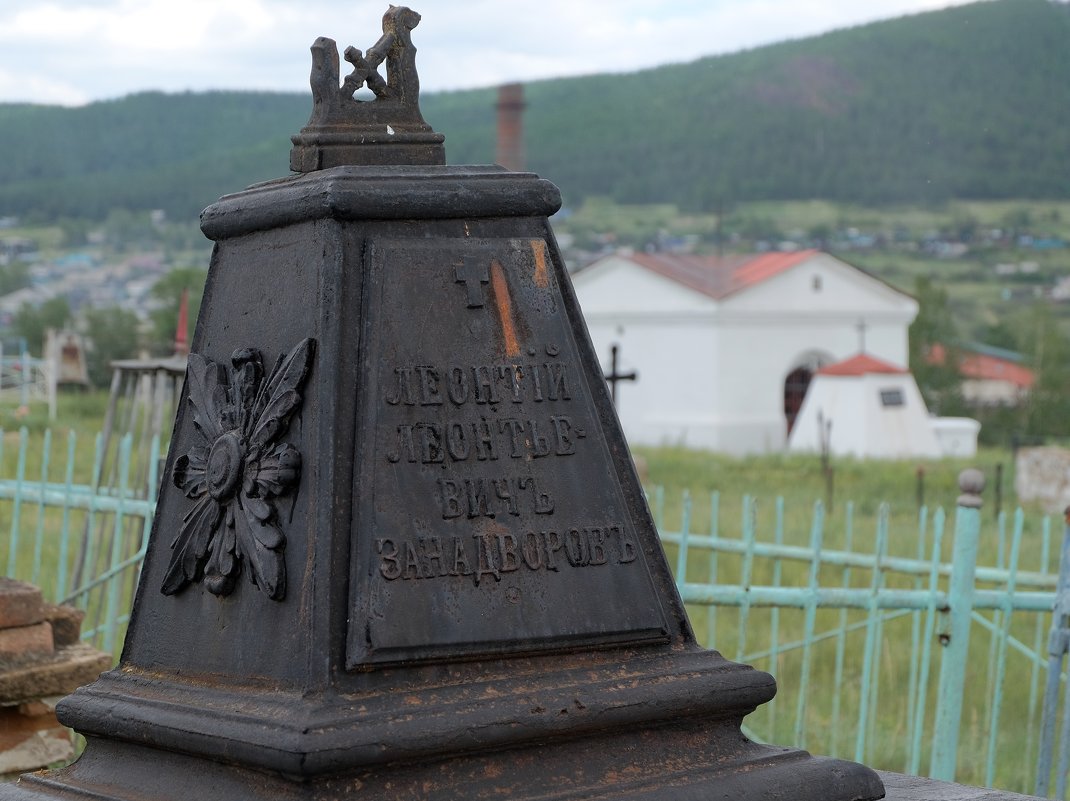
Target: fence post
[957,646]
[1058,645]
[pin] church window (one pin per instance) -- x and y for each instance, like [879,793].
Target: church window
[892,397]
[816,283]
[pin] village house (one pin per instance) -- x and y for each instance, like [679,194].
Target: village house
[990,376]
[725,347]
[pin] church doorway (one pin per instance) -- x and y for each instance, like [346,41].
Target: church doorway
[798,381]
[795,386]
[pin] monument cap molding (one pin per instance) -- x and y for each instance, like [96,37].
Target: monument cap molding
[401,192]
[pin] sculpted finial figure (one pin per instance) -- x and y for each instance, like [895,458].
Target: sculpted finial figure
[340,122]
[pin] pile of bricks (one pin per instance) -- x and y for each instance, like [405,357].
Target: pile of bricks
[41,660]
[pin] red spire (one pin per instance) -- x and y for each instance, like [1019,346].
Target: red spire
[181,333]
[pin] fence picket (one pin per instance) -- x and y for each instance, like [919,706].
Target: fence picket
[110,623]
[869,655]
[774,615]
[1001,656]
[817,533]
[65,530]
[748,523]
[16,510]
[685,533]
[1038,644]
[926,648]
[915,636]
[997,622]
[38,540]
[841,635]
[878,640]
[715,522]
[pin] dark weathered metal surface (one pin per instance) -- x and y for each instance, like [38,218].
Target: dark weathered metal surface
[387,129]
[495,527]
[456,591]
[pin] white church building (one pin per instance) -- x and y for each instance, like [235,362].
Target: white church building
[725,347]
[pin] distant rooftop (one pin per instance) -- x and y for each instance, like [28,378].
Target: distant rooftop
[720,276]
[986,363]
[861,364]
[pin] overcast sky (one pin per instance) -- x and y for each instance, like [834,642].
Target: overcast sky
[72,52]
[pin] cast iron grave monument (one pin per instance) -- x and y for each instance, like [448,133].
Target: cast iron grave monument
[402,552]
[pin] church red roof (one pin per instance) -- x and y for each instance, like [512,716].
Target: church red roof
[720,276]
[862,364]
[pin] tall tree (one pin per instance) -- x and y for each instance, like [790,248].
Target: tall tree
[1048,408]
[112,334]
[31,322]
[933,332]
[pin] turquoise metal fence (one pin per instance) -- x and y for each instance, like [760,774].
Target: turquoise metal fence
[75,520]
[918,648]
[868,629]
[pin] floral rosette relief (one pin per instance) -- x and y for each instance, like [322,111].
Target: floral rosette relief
[235,476]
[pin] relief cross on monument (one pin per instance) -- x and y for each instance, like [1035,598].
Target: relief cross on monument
[401,551]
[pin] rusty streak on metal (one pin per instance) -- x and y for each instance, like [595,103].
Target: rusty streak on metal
[504,304]
[542,277]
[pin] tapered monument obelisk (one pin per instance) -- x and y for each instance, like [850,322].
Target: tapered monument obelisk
[401,551]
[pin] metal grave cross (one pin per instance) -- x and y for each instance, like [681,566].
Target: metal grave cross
[613,377]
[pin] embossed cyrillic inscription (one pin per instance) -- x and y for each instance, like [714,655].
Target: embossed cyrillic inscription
[482,439]
[496,555]
[487,469]
[480,384]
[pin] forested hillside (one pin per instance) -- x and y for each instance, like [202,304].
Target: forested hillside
[969,102]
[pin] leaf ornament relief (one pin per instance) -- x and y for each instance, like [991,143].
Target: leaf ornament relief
[236,474]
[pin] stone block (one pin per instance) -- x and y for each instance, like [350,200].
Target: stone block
[1043,475]
[58,674]
[32,738]
[25,643]
[20,604]
[66,624]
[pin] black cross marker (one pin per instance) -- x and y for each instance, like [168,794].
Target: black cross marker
[473,276]
[614,376]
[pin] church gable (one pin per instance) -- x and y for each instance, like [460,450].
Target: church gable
[617,285]
[823,284]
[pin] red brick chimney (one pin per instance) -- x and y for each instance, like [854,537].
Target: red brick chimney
[511,126]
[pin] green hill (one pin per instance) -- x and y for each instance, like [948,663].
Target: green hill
[968,102]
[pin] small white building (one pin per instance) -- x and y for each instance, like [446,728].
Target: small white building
[866,408]
[725,347]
